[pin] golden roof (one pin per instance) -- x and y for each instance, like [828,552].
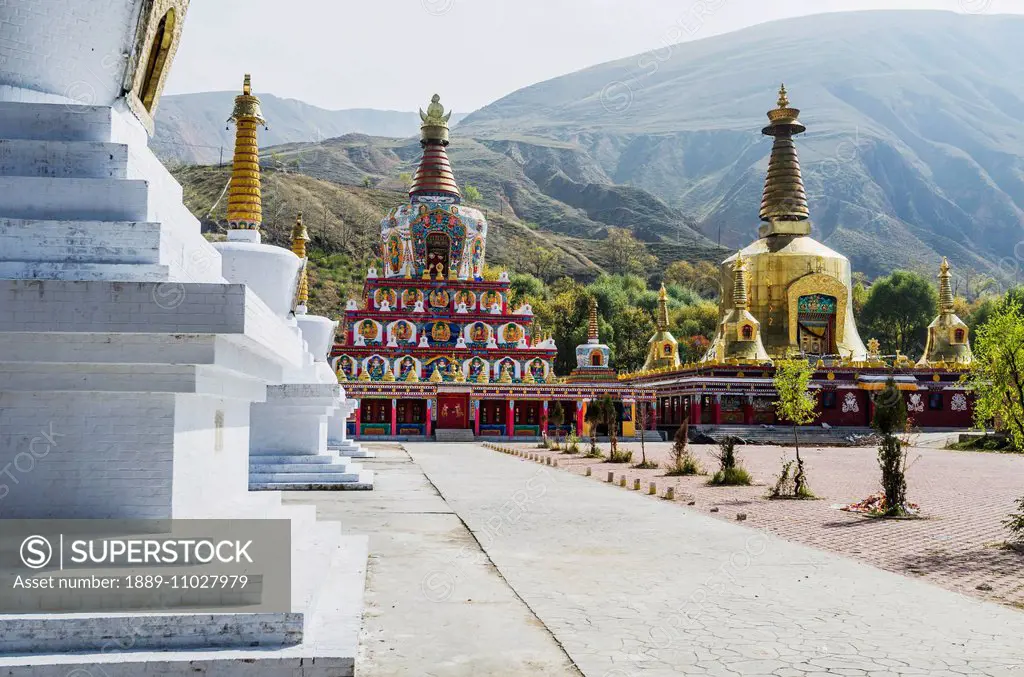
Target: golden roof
[945,288]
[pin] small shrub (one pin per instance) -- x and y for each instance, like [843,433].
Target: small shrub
[646,465]
[681,461]
[594,451]
[730,473]
[785,484]
[732,477]
[572,443]
[620,456]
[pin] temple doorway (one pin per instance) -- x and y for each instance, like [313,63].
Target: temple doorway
[816,324]
[438,251]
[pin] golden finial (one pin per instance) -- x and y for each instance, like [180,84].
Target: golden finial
[529,377]
[592,333]
[245,210]
[300,236]
[783,99]
[784,202]
[506,375]
[662,308]
[364,375]
[435,122]
[435,376]
[739,284]
[389,375]
[945,288]
[874,346]
[483,376]
[413,376]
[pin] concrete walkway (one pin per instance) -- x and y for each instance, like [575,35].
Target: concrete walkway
[631,586]
[435,604]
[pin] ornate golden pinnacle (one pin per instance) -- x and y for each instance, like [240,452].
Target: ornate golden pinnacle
[783,99]
[434,125]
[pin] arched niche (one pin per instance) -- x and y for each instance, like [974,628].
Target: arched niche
[156,43]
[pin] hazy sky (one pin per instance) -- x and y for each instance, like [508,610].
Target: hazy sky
[394,54]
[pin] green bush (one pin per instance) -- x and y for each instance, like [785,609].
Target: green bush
[730,472]
[681,461]
[620,456]
[737,476]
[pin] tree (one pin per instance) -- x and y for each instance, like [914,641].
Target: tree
[899,309]
[632,329]
[405,178]
[626,254]
[997,374]
[797,405]
[643,417]
[890,420]
[366,182]
[730,472]
[539,261]
[471,193]
[556,416]
[602,412]
[702,277]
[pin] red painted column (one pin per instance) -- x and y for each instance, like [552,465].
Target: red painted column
[580,410]
[748,411]
[476,417]
[653,417]
[394,417]
[510,424]
[544,418]
[429,429]
[694,409]
[358,413]
[716,410]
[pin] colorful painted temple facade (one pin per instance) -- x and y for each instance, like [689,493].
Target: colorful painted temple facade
[434,346]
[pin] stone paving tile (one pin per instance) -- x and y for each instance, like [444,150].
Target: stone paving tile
[964,497]
[632,586]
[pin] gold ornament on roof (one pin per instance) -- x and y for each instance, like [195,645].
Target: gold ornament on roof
[435,376]
[300,236]
[435,121]
[784,202]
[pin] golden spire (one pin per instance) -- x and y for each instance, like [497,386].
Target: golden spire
[945,288]
[300,236]
[245,211]
[785,200]
[739,282]
[434,174]
[663,308]
[592,335]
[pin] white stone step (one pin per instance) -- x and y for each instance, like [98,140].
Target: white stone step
[445,435]
[52,122]
[23,197]
[63,159]
[284,458]
[305,468]
[85,272]
[314,477]
[102,242]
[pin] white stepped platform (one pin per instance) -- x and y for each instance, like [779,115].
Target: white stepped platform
[444,435]
[350,449]
[63,159]
[314,472]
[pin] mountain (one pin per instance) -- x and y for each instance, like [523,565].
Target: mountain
[191,128]
[914,149]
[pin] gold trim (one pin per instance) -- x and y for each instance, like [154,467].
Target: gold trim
[818,283]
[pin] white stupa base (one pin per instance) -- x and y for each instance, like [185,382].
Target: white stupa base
[128,369]
[289,448]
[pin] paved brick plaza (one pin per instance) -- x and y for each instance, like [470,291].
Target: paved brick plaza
[964,496]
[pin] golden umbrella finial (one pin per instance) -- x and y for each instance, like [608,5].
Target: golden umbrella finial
[783,99]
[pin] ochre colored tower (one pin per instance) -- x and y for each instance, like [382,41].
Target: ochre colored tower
[300,236]
[739,335]
[245,208]
[948,335]
[799,290]
[662,348]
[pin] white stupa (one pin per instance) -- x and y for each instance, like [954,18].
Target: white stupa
[124,341]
